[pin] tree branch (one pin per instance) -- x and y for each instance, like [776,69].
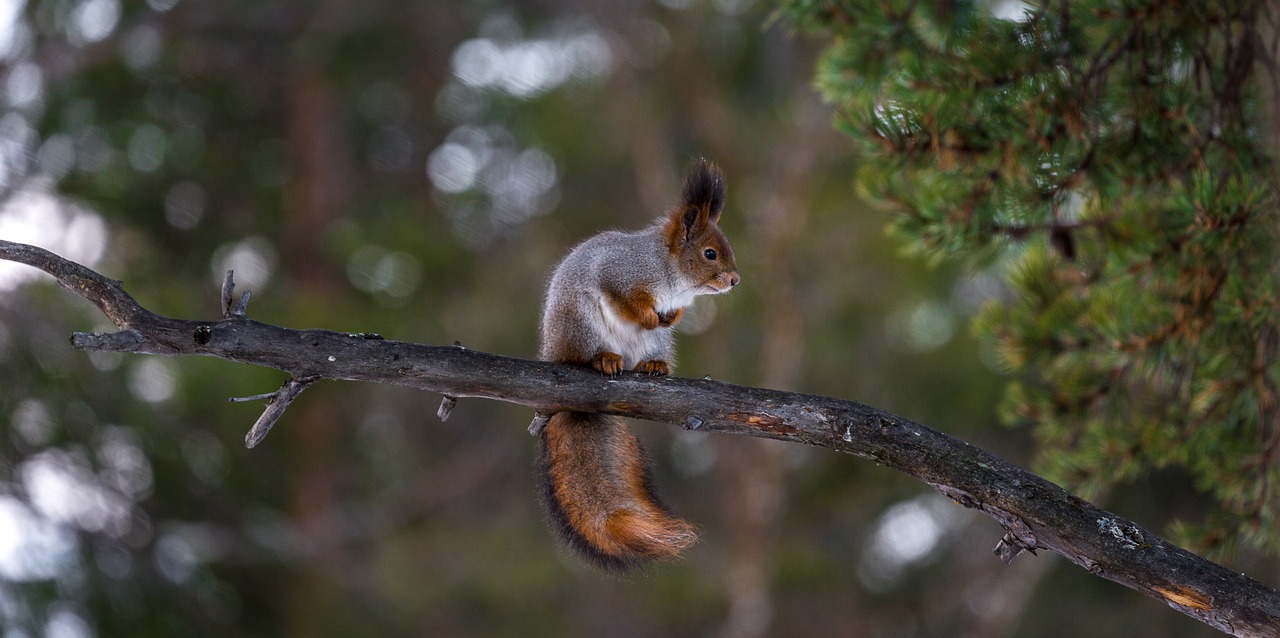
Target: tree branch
[277,402]
[1036,514]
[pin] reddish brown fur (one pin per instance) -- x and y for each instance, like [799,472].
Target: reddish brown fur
[674,231]
[655,367]
[683,225]
[566,352]
[596,482]
[689,230]
[671,318]
[614,519]
[637,306]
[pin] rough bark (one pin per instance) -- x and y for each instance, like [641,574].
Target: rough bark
[1036,514]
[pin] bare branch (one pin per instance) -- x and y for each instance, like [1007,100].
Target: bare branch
[275,409]
[1035,513]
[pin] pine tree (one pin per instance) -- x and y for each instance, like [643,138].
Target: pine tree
[1114,159]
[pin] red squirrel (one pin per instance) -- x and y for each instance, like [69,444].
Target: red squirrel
[611,304]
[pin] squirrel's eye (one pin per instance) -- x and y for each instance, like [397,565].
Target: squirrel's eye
[709,253]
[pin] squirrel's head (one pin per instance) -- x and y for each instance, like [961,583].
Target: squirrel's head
[699,248]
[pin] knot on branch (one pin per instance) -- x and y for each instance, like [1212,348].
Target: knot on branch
[1018,535]
[124,341]
[1127,534]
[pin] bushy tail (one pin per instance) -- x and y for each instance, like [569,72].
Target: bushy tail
[598,491]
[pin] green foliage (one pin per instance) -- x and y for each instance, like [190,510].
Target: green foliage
[1111,153]
[362,174]
[415,170]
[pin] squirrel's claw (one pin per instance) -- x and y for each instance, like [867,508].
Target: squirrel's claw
[609,363]
[654,367]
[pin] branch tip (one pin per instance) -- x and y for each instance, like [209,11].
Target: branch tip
[539,422]
[232,309]
[1007,549]
[242,305]
[256,397]
[228,286]
[1010,546]
[447,404]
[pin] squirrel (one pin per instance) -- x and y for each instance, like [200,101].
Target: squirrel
[611,304]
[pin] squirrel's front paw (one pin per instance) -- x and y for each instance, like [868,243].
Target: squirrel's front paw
[668,319]
[607,362]
[649,319]
[654,367]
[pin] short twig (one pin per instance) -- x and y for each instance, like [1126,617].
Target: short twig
[257,397]
[539,422]
[228,286]
[242,305]
[280,399]
[447,403]
[230,311]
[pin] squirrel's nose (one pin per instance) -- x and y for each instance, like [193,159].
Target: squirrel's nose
[734,279]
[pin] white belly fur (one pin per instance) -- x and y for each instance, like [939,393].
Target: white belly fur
[669,302]
[633,343]
[626,337]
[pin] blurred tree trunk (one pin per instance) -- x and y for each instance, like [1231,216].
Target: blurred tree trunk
[315,196]
[755,473]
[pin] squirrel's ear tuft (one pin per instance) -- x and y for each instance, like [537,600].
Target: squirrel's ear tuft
[703,189]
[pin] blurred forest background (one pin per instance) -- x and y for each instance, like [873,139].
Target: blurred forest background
[415,170]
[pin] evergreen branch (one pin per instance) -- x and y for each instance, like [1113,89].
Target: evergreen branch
[1036,514]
